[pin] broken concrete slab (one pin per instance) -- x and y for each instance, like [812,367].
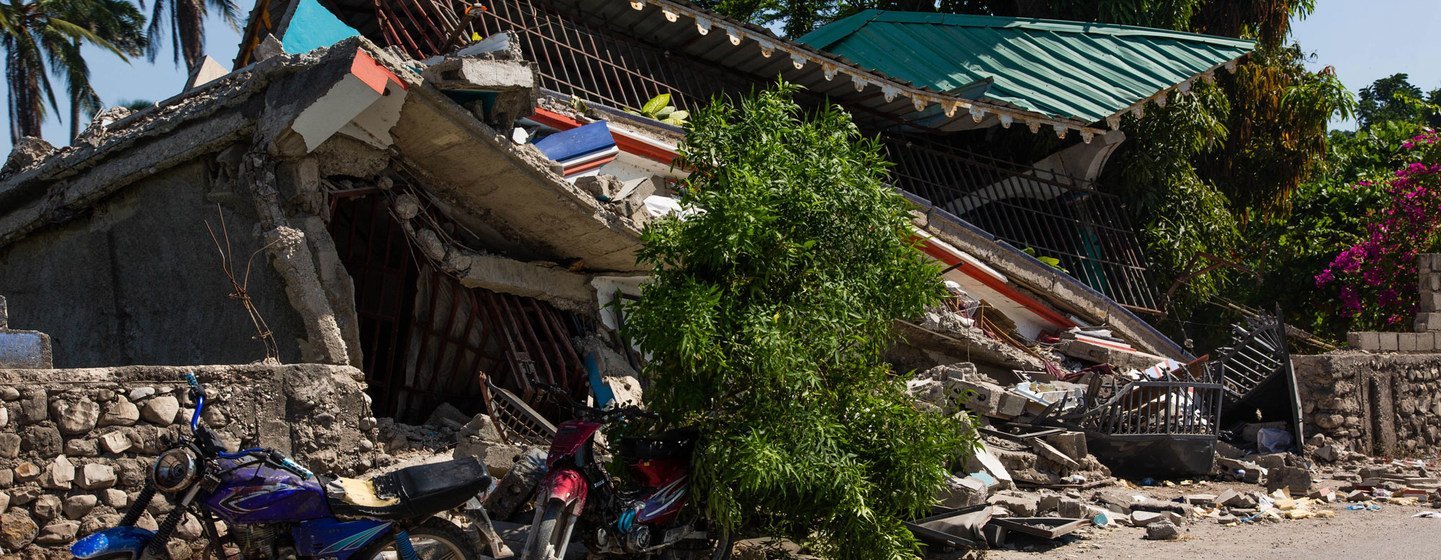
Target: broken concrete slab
[1052,454]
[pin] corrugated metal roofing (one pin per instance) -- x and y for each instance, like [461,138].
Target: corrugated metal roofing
[1077,70]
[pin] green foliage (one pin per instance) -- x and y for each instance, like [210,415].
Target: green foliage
[766,322]
[41,37]
[660,109]
[1395,99]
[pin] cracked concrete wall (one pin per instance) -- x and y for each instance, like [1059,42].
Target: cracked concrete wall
[138,280]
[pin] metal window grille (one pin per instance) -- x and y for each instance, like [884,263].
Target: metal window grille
[1054,215]
[573,58]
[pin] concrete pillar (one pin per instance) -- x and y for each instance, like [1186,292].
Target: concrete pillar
[1428,272]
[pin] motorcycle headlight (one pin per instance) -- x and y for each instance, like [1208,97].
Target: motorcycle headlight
[175,470]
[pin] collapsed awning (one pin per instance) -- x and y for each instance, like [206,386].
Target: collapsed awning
[1080,71]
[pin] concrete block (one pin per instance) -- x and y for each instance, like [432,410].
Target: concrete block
[1369,341]
[1406,342]
[1424,262]
[25,350]
[1430,301]
[1425,342]
[1389,341]
[1073,444]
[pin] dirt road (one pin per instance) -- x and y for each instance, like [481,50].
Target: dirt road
[1389,534]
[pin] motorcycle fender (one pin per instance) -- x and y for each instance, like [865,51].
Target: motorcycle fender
[115,540]
[567,486]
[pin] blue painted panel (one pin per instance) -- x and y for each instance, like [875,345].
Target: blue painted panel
[23,349]
[313,27]
[570,144]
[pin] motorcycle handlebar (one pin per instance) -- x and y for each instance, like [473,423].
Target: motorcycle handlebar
[563,398]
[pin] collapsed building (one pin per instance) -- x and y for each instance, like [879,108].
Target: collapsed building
[442,203]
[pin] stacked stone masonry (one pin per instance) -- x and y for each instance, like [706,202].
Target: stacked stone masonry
[76,445]
[1386,404]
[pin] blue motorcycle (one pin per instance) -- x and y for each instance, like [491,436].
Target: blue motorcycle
[273,508]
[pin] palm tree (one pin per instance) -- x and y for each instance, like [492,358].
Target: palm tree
[44,36]
[187,26]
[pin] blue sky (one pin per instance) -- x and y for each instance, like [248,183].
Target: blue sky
[1363,39]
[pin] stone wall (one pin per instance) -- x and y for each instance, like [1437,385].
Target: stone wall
[1386,404]
[76,445]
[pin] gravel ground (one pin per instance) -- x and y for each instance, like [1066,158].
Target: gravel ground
[1389,534]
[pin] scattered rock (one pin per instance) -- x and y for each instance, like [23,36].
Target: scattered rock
[24,495]
[27,153]
[81,448]
[58,533]
[59,475]
[95,476]
[17,530]
[44,441]
[115,442]
[161,410]
[75,418]
[1295,479]
[1162,531]
[9,446]
[141,392]
[115,498]
[1019,506]
[189,528]
[47,507]
[121,413]
[76,507]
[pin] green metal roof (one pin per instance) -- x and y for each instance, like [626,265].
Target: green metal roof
[1066,69]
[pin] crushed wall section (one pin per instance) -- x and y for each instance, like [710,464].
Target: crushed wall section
[1386,404]
[138,280]
[76,445]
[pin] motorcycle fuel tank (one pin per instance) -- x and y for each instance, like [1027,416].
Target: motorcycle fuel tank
[255,493]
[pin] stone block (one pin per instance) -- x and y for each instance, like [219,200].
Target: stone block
[1389,341]
[115,442]
[9,446]
[25,350]
[78,506]
[1018,506]
[1163,531]
[1297,480]
[1406,342]
[160,410]
[1072,444]
[961,492]
[96,476]
[1430,301]
[17,530]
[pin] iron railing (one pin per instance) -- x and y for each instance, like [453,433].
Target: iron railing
[1051,214]
[1257,354]
[1149,408]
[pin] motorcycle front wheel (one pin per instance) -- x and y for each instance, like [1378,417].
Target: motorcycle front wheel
[550,534]
[436,539]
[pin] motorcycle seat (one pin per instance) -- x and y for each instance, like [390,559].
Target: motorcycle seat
[670,444]
[412,492]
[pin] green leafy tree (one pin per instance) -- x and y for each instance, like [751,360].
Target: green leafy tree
[1395,98]
[771,306]
[41,37]
[184,21]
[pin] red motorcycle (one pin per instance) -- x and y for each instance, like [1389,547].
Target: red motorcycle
[645,519]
